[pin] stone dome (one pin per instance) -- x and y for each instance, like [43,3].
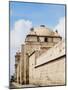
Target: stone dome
[32,32]
[43,31]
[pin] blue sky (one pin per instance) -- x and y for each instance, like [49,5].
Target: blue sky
[47,14]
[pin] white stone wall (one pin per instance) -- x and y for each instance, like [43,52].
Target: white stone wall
[54,52]
[51,73]
[56,39]
[31,38]
[50,39]
[41,39]
[31,69]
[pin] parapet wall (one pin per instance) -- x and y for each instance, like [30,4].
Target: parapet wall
[49,68]
[55,52]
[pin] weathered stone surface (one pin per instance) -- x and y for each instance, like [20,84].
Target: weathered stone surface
[41,47]
[49,68]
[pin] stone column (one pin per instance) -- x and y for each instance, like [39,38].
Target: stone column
[18,73]
[22,65]
[27,68]
[17,69]
[15,72]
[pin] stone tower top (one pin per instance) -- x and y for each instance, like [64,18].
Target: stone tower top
[42,34]
[17,54]
[43,31]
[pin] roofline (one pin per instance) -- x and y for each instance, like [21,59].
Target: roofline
[50,61]
[32,53]
[45,36]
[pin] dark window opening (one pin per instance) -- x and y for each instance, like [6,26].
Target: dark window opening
[46,39]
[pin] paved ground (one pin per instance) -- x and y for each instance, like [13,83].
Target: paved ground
[12,86]
[15,85]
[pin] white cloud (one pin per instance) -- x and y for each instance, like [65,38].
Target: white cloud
[21,28]
[61,27]
[17,37]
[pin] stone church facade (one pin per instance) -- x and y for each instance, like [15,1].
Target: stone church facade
[42,58]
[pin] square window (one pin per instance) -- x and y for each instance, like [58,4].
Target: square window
[46,39]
